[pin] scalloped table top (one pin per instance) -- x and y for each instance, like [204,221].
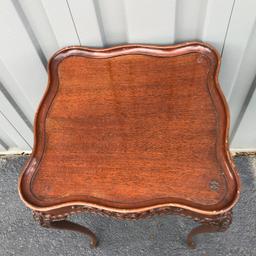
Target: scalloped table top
[131,128]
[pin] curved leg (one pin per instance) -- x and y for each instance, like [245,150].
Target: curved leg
[219,224]
[204,228]
[66,225]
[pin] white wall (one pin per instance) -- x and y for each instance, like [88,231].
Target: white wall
[31,31]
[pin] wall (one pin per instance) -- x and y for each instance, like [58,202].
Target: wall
[31,31]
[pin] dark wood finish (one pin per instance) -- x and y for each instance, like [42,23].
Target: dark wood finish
[218,224]
[66,225]
[132,130]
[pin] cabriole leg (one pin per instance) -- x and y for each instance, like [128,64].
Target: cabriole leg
[66,225]
[219,224]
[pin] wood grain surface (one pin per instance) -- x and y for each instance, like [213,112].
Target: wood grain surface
[131,128]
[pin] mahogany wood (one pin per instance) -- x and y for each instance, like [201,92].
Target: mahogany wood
[132,129]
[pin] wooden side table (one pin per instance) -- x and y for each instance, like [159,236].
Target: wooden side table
[132,131]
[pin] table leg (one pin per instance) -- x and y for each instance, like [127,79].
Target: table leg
[219,224]
[67,225]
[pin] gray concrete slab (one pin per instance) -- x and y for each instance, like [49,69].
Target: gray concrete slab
[20,235]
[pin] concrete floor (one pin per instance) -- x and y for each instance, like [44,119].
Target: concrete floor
[20,235]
